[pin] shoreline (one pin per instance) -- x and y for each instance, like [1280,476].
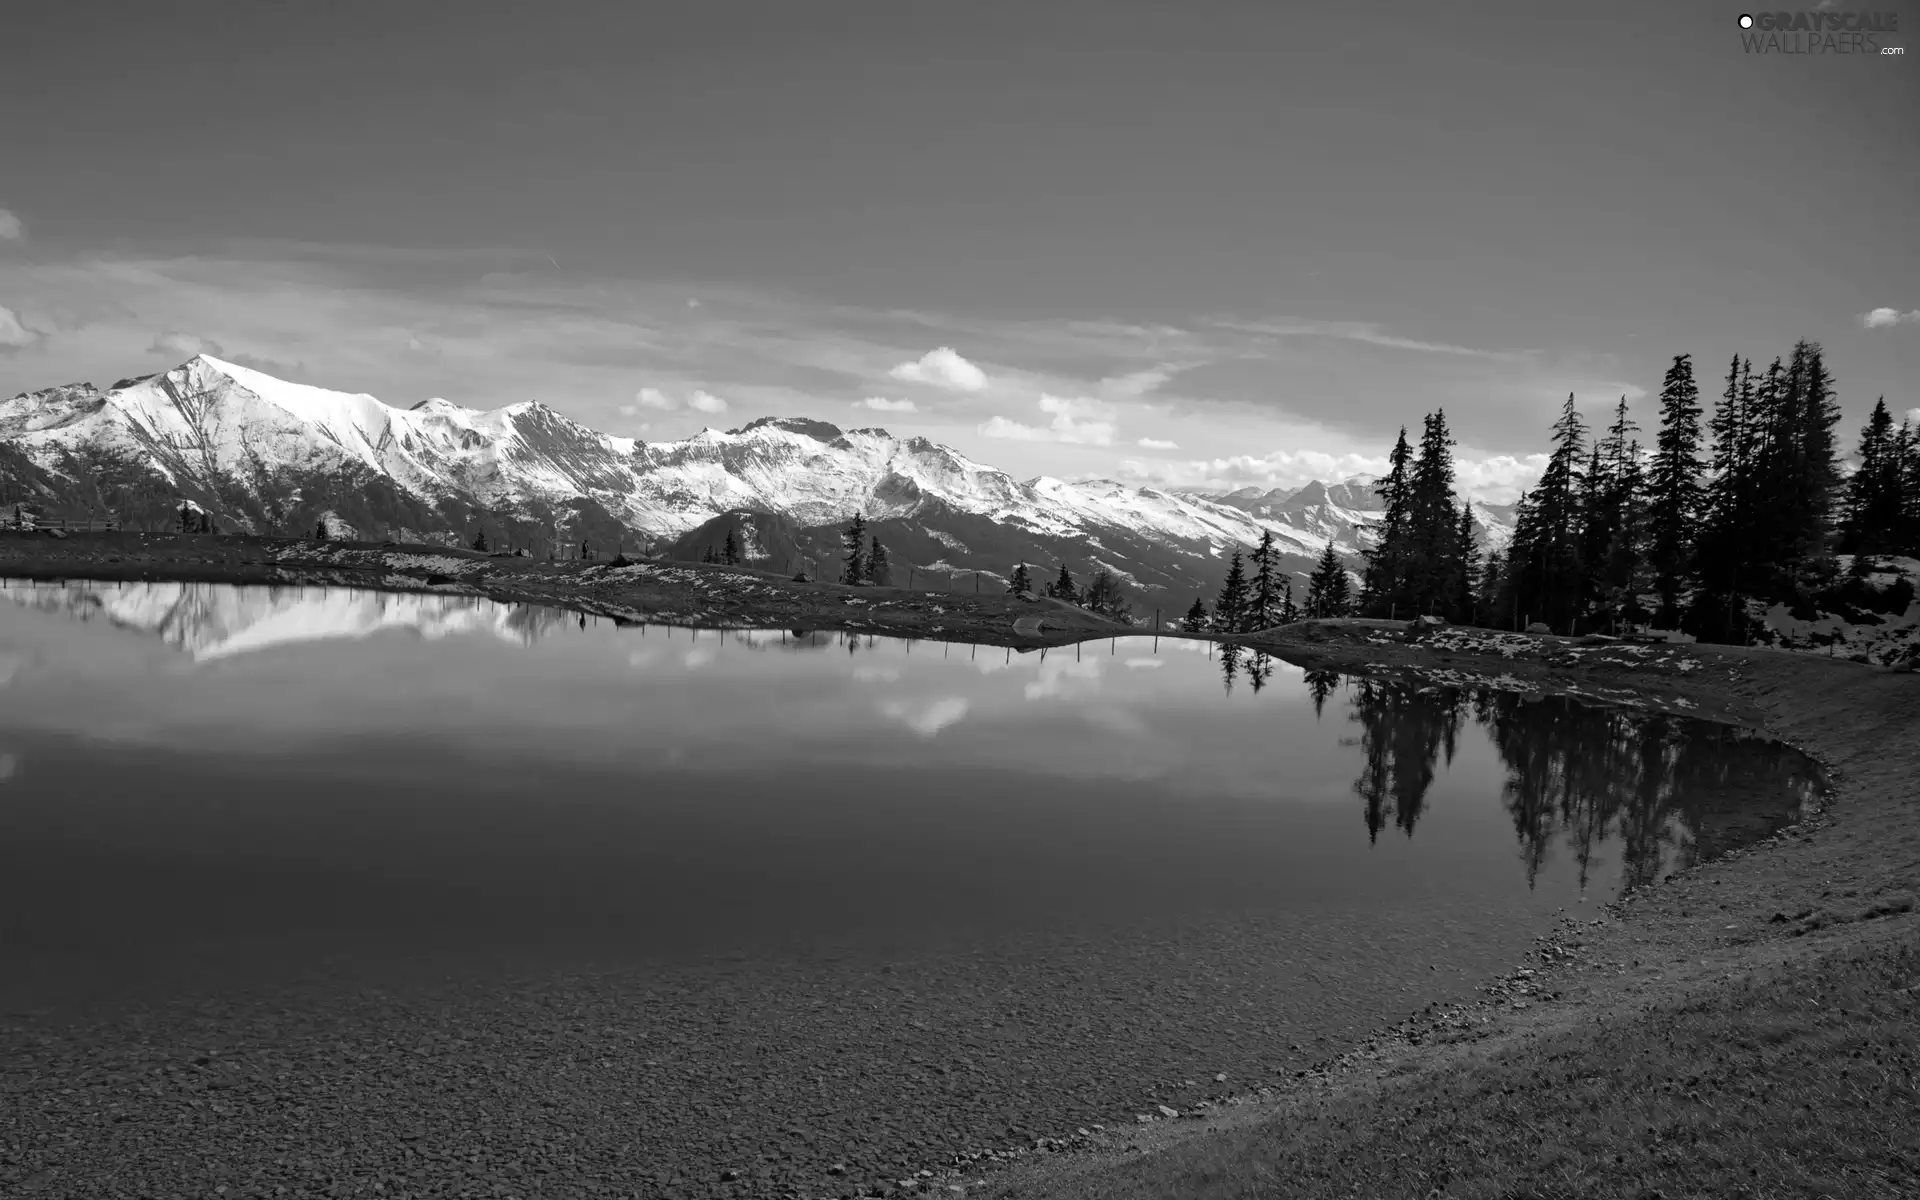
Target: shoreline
[1841,881]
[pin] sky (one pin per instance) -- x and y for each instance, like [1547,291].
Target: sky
[1215,244]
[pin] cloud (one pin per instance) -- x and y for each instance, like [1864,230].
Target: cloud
[14,335]
[882,404]
[1080,422]
[706,402]
[180,346]
[11,230]
[927,718]
[1881,318]
[653,398]
[1157,444]
[1138,383]
[943,368]
[1366,332]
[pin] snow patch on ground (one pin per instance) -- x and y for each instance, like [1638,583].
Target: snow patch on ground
[434,564]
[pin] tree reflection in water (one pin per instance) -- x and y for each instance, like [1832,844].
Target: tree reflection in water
[1671,790]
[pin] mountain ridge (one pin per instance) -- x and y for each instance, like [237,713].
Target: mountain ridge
[270,456]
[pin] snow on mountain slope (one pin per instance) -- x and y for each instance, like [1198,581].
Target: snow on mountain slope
[1344,514]
[215,621]
[271,455]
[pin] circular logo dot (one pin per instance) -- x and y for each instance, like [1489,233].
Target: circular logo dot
[1746,22]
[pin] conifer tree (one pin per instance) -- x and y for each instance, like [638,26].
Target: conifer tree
[1063,587]
[1490,589]
[1432,552]
[1907,450]
[1289,612]
[1544,557]
[1673,485]
[708,555]
[1327,586]
[1021,581]
[1386,558]
[1196,619]
[586,551]
[1230,610]
[1263,604]
[878,572]
[730,551]
[1461,604]
[1105,596]
[320,532]
[1876,501]
[854,538]
[479,540]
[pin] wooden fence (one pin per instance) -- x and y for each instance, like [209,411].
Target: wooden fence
[69,524]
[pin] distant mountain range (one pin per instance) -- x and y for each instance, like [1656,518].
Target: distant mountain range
[269,456]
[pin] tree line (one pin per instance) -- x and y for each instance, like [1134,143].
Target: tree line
[1748,505]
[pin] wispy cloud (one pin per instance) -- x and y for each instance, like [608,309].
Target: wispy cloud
[11,228]
[706,402]
[1147,443]
[13,334]
[1366,332]
[943,368]
[1881,318]
[882,404]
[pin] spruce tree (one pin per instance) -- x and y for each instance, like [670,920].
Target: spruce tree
[730,550]
[1063,587]
[1021,581]
[586,551]
[1104,596]
[1196,619]
[1466,579]
[1907,450]
[479,540]
[1289,612]
[1544,558]
[1432,554]
[1319,582]
[1263,606]
[1230,610]
[1817,465]
[1673,486]
[854,538]
[1384,578]
[878,572]
[1876,506]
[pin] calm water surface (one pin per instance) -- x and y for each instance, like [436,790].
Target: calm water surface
[232,785]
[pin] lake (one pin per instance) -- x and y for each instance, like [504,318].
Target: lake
[906,897]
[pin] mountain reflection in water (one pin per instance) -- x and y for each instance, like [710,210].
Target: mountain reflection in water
[1654,791]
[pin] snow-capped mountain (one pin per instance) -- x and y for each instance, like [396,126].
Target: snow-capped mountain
[210,621]
[271,456]
[1343,513]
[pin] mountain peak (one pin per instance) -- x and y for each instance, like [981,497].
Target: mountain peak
[820,431]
